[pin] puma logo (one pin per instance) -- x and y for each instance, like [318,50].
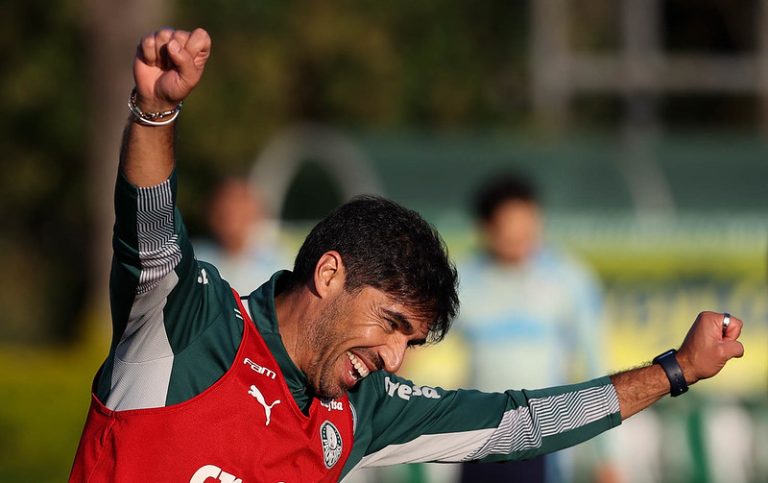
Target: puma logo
[260,398]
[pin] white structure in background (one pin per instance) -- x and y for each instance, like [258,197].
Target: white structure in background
[277,165]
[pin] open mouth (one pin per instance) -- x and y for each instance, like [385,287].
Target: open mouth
[360,370]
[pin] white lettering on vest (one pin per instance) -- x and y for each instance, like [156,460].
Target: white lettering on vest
[259,369]
[211,471]
[332,405]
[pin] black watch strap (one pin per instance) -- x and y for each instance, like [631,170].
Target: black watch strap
[668,362]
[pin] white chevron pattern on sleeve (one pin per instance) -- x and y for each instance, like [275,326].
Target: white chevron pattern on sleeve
[159,251]
[525,427]
[143,357]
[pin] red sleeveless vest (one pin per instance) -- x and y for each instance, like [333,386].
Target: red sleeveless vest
[245,428]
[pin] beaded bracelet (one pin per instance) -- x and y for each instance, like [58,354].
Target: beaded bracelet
[150,118]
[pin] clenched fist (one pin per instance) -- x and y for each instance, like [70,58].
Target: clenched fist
[168,65]
[709,345]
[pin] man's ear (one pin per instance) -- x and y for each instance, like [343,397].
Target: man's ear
[329,274]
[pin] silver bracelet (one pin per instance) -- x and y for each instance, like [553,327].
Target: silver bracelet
[150,118]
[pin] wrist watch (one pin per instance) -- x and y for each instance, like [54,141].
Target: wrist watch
[668,362]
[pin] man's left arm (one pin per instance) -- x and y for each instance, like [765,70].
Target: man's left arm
[402,422]
[399,422]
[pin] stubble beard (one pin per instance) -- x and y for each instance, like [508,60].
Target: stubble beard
[322,338]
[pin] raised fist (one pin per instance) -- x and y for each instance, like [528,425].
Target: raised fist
[709,345]
[168,65]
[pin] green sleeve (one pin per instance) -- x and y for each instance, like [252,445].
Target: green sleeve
[400,422]
[175,331]
[150,245]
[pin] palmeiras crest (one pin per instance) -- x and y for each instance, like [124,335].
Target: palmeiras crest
[331,439]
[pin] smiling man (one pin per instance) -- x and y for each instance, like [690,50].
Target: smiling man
[295,382]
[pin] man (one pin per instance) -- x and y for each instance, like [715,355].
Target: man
[289,385]
[244,242]
[530,315]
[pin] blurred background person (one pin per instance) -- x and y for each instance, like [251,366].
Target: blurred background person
[245,243]
[531,316]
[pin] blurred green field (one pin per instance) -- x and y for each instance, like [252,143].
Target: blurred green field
[44,401]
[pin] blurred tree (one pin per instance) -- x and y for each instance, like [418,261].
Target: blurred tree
[64,79]
[41,194]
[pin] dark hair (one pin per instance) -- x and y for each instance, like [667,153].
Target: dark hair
[390,248]
[500,189]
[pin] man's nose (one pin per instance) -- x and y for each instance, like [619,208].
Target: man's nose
[393,352]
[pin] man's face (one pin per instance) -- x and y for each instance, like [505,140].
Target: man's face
[512,233]
[359,333]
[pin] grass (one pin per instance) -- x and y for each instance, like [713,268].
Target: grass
[45,397]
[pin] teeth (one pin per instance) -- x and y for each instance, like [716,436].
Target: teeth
[362,370]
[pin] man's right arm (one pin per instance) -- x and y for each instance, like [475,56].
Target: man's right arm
[167,66]
[162,299]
